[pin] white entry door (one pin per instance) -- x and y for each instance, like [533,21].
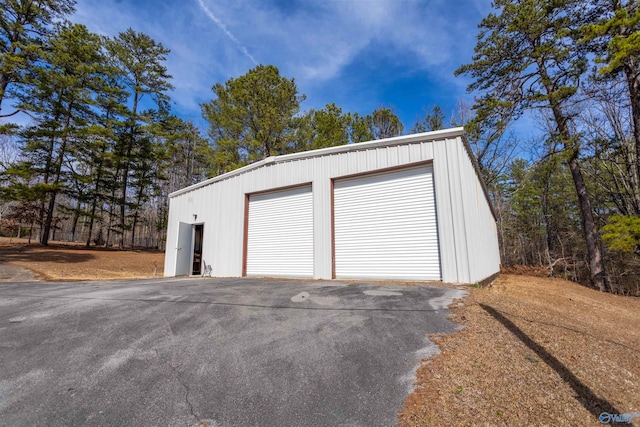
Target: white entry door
[385,226]
[280,233]
[184,249]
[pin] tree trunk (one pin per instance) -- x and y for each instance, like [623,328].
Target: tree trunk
[91,221]
[598,278]
[111,209]
[4,82]
[133,228]
[94,202]
[139,196]
[135,221]
[54,193]
[632,72]
[546,213]
[92,216]
[571,146]
[74,223]
[4,77]
[634,95]
[44,239]
[125,175]
[45,179]
[123,202]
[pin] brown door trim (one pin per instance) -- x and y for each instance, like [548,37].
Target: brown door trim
[246,234]
[277,189]
[333,235]
[197,247]
[246,215]
[384,170]
[359,175]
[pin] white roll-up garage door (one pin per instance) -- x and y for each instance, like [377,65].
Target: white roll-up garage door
[385,226]
[280,233]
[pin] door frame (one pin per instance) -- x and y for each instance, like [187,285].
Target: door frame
[193,249]
[247,197]
[381,171]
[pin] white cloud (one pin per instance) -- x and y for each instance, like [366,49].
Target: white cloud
[318,41]
[224,29]
[324,44]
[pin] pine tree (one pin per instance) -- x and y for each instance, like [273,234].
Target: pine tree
[61,98]
[527,57]
[432,121]
[252,117]
[24,27]
[381,123]
[615,36]
[385,123]
[327,127]
[98,151]
[140,60]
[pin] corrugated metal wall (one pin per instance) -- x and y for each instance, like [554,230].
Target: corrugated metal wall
[385,226]
[466,227]
[280,233]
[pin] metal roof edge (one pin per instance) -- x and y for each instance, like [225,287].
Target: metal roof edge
[397,140]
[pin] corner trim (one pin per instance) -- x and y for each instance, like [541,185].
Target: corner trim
[246,235]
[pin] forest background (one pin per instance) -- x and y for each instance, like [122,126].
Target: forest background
[102,149]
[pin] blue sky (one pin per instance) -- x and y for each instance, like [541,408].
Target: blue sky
[360,54]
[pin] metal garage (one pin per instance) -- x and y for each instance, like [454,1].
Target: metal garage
[280,233]
[412,207]
[385,226]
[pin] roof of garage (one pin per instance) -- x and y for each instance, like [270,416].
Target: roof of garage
[398,140]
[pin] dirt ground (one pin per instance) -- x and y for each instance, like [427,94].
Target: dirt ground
[532,351]
[74,262]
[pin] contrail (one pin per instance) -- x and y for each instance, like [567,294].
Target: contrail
[220,25]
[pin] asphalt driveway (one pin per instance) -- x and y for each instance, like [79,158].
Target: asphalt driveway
[226,352]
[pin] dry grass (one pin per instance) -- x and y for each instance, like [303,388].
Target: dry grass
[73,262]
[533,351]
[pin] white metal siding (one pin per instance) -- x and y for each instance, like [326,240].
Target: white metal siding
[480,227]
[385,226]
[280,235]
[468,236]
[466,228]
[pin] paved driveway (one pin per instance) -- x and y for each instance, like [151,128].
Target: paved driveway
[228,352]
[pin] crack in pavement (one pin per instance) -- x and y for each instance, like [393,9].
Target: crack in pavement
[174,368]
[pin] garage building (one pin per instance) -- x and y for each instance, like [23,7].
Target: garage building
[410,208]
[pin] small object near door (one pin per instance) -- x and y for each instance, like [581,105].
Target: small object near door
[197,249]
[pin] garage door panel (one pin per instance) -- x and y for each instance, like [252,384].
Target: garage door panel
[374,212]
[280,233]
[385,226]
[390,229]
